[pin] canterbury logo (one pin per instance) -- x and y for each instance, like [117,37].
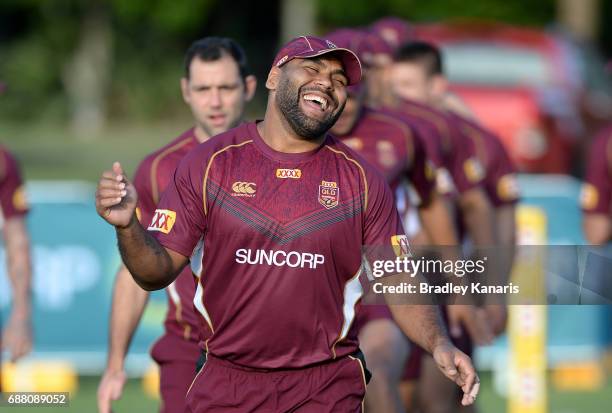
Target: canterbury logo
[244,189]
[288,173]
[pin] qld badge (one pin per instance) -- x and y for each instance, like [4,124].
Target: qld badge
[328,194]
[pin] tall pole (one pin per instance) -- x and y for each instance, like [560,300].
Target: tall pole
[297,18]
[580,17]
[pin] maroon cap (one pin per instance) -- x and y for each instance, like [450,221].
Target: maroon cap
[370,46]
[348,38]
[393,30]
[305,47]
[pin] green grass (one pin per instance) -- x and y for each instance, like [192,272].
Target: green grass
[55,152]
[599,401]
[134,399]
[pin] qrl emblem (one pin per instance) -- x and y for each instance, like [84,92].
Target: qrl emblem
[163,221]
[328,194]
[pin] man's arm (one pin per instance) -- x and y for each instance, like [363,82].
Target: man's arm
[505,223]
[477,215]
[129,302]
[597,228]
[152,265]
[436,220]
[17,336]
[596,194]
[423,325]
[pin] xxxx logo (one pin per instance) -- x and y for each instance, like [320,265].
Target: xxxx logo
[163,221]
[288,173]
[247,189]
[400,245]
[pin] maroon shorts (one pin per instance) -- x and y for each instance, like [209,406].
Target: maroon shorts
[177,359]
[335,386]
[412,370]
[371,312]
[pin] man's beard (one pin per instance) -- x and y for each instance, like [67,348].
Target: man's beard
[288,101]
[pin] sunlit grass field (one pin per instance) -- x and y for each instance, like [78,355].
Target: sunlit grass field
[135,400]
[54,152]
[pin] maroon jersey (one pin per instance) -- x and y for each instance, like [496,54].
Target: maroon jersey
[596,197]
[275,240]
[151,179]
[13,201]
[499,182]
[389,144]
[459,170]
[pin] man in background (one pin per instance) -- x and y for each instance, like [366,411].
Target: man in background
[596,197]
[216,86]
[16,337]
[394,148]
[417,78]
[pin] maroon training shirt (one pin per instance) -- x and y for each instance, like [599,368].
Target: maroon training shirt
[389,144]
[151,179]
[13,202]
[596,197]
[459,170]
[275,240]
[499,182]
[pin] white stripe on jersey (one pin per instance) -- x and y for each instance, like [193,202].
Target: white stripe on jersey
[174,296]
[352,294]
[197,268]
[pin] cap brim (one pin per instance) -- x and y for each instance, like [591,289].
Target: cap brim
[350,61]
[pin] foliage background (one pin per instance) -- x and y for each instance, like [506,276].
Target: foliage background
[40,39]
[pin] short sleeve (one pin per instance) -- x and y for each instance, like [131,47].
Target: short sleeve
[382,225]
[179,220]
[422,171]
[596,196]
[502,186]
[143,183]
[13,201]
[465,168]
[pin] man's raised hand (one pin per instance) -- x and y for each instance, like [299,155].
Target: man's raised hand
[116,197]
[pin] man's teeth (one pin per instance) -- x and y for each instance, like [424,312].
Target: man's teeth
[321,101]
